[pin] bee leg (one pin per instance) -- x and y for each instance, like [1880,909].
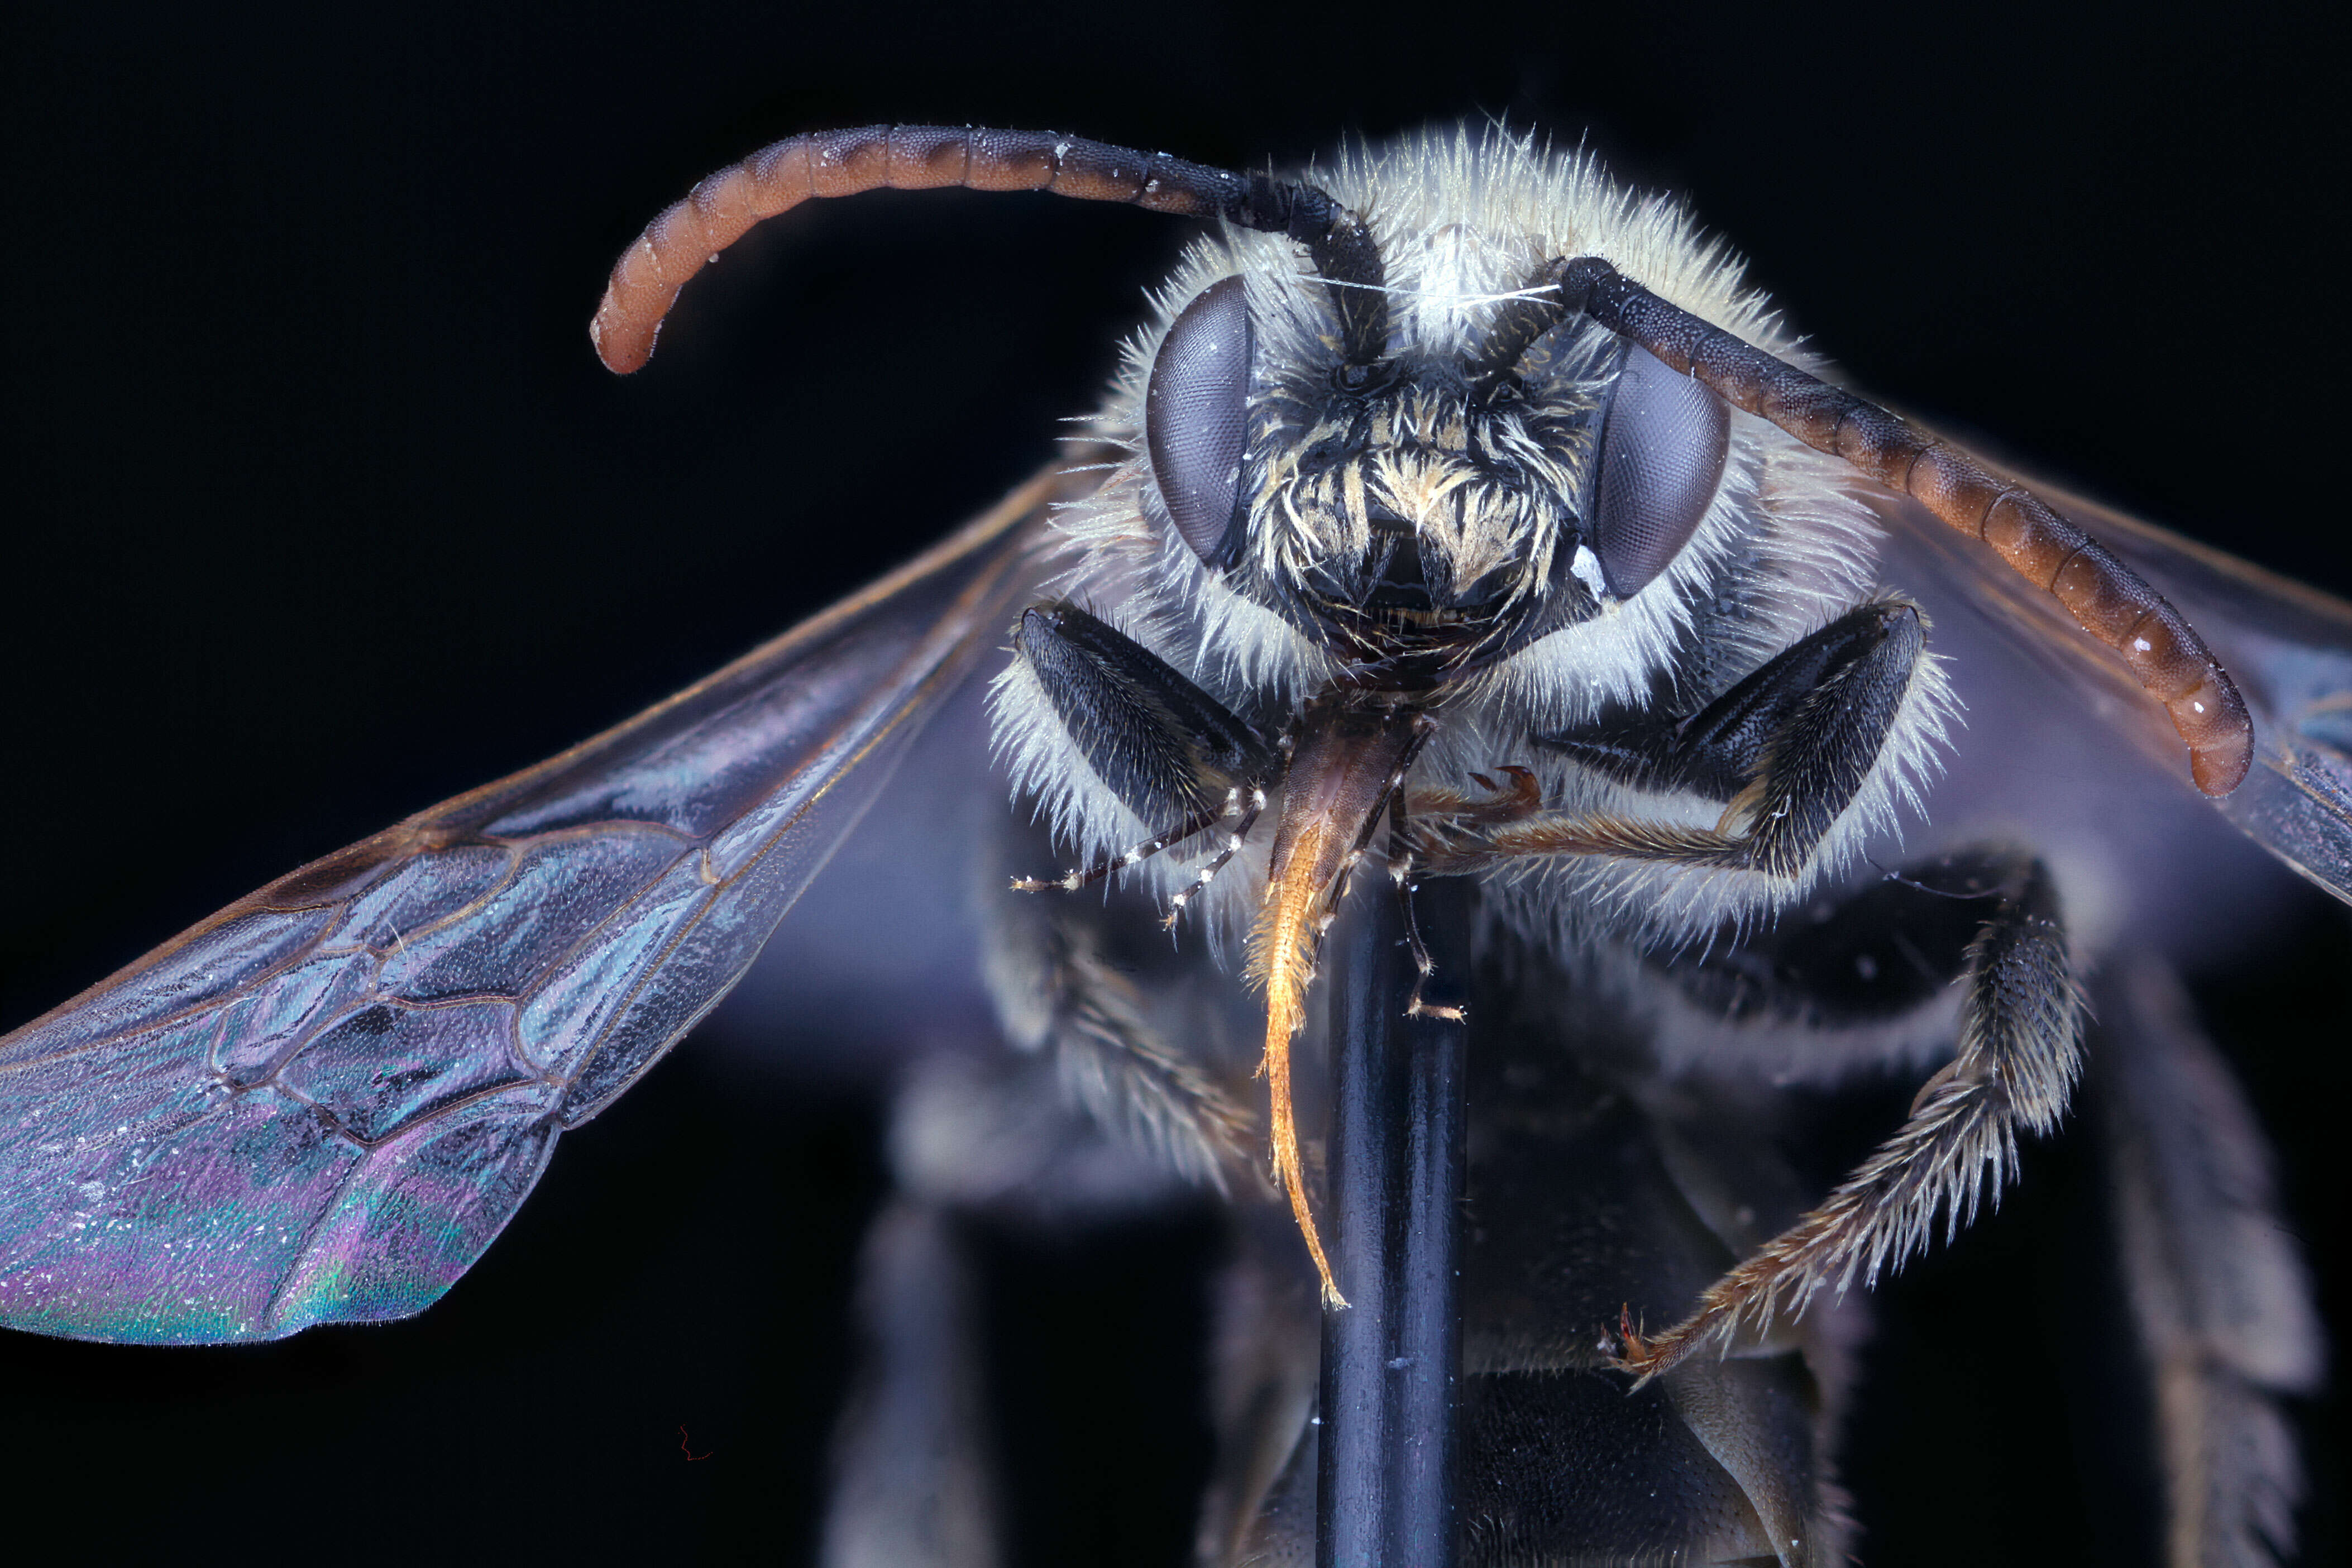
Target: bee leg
[913,1482]
[1863,658]
[1401,870]
[2220,1300]
[1170,752]
[1786,751]
[1250,812]
[2019,1052]
[1078,876]
[1072,984]
[993,1160]
[1811,734]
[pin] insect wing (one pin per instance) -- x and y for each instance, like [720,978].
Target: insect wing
[2288,647]
[324,1102]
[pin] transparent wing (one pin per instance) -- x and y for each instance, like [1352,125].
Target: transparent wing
[2288,646]
[322,1103]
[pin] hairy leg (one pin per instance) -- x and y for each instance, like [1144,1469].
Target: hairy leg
[2020,1053]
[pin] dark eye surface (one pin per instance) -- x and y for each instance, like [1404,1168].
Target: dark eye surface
[1196,414]
[1662,457]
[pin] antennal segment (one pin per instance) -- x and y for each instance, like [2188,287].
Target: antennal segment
[721,209]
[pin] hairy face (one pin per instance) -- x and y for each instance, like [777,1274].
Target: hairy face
[1416,512]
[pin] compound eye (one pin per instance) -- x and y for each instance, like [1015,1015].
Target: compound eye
[1662,454]
[1196,414]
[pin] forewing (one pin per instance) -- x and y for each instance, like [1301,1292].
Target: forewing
[2288,646]
[322,1103]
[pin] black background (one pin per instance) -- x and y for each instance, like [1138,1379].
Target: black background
[322,510]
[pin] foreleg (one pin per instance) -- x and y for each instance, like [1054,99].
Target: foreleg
[1787,751]
[1170,752]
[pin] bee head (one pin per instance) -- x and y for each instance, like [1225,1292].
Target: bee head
[1443,503]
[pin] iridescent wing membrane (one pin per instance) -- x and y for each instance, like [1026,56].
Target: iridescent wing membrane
[322,1103]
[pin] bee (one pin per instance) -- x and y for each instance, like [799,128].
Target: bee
[1549,757]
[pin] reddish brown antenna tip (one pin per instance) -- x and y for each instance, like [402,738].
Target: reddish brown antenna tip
[629,317]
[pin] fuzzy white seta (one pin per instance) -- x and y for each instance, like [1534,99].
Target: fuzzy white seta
[1462,219]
